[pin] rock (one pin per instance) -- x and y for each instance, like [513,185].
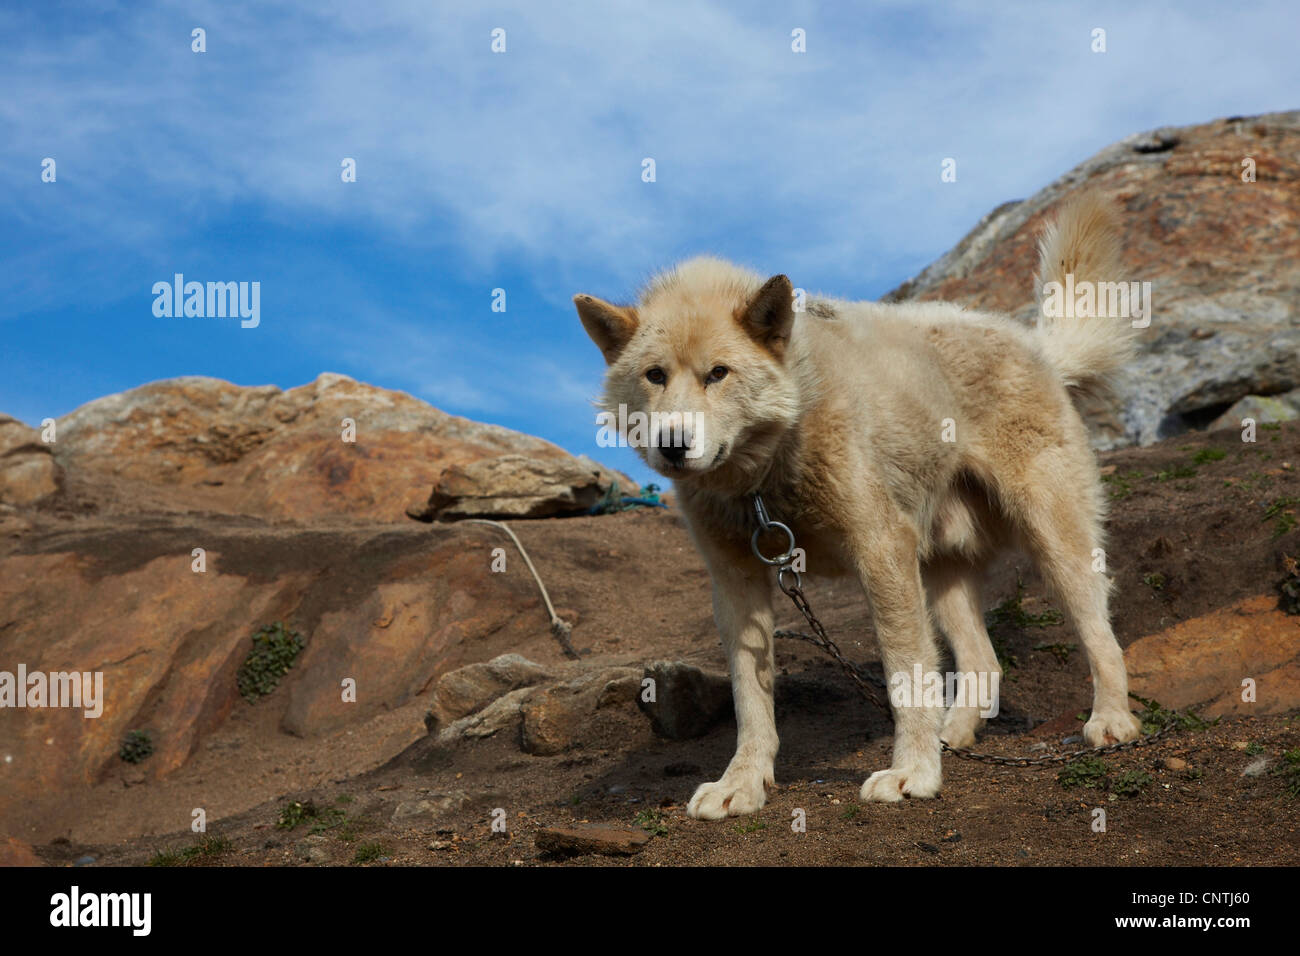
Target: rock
[471,688]
[592,838]
[1175,763]
[501,714]
[14,852]
[1202,662]
[688,702]
[204,445]
[28,471]
[312,849]
[555,719]
[517,486]
[622,690]
[427,810]
[1262,408]
[1222,257]
[552,717]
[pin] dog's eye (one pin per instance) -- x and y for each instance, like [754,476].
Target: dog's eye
[716,374]
[656,376]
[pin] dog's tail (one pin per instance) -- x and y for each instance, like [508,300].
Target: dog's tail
[1086,346]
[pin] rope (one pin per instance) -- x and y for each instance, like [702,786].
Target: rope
[559,627]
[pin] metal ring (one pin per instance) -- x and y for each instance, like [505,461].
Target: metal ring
[780,579]
[784,557]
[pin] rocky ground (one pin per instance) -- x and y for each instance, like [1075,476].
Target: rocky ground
[1201,530]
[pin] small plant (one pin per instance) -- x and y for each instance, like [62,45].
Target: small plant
[1060,650]
[206,848]
[851,811]
[1155,581]
[1131,783]
[751,826]
[1282,513]
[321,818]
[349,830]
[295,814]
[1254,748]
[1289,586]
[1179,471]
[273,653]
[328,819]
[369,852]
[136,747]
[1155,717]
[1289,771]
[1011,615]
[1087,772]
[1207,455]
[652,822]
[1121,485]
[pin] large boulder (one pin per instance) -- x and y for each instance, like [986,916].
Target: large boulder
[333,448]
[1222,256]
[1242,660]
[518,486]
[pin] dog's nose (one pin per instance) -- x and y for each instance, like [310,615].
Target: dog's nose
[673,447]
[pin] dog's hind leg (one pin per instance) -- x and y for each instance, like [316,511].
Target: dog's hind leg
[891,575]
[1056,506]
[742,608]
[953,589]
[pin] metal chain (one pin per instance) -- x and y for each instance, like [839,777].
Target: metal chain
[784,563]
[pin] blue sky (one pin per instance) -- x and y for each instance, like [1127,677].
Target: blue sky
[522,170]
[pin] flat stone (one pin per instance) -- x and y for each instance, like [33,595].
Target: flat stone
[592,838]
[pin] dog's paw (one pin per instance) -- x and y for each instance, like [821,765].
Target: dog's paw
[892,785]
[736,794]
[959,726]
[1111,727]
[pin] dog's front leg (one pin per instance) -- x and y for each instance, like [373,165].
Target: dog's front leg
[742,608]
[891,575]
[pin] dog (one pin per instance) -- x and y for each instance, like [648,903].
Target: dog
[904,444]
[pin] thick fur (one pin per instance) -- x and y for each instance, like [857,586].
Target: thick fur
[1083,242]
[904,445]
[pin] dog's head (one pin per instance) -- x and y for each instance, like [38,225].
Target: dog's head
[698,377]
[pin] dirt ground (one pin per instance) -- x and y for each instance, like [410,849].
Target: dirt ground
[1198,524]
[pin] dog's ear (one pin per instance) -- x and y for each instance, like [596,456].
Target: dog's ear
[610,326]
[769,315]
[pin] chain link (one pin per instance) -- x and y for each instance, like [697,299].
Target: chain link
[819,638]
